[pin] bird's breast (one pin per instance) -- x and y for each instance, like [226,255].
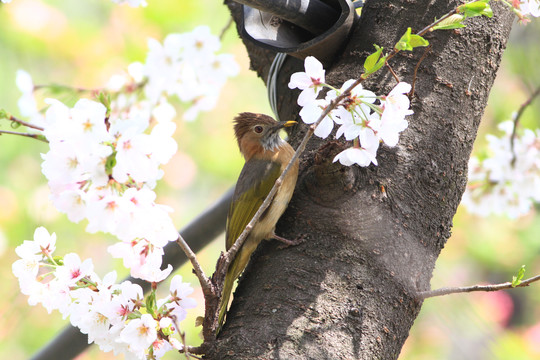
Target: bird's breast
[264,229]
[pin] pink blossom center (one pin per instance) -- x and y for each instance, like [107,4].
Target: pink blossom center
[316,81]
[75,273]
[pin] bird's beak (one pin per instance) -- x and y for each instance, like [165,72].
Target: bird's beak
[280,125]
[289,123]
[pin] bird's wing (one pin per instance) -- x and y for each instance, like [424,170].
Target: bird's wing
[254,183]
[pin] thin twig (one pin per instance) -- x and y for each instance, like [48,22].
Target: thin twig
[444,17]
[424,31]
[422,58]
[206,285]
[225,28]
[516,122]
[392,71]
[22,122]
[456,290]
[195,350]
[33,136]
[67,87]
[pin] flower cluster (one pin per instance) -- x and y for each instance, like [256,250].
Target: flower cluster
[116,317]
[104,158]
[508,180]
[103,166]
[528,7]
[362,116]
[186,66]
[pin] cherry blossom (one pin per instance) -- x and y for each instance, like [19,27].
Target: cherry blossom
[112,315]
[310,82]
[507,181]
[311,112]
[186,65]
[530,7]
[363,117]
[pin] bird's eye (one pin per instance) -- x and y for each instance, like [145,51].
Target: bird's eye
[258,129]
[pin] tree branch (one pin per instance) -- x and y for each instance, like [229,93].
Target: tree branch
[516,122]
[27,124]
[33,136]
[206,285]
[456,290]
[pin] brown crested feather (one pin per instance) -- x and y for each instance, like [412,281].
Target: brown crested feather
[250,143]
[244,122]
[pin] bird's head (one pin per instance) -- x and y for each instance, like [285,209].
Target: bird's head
[258,133]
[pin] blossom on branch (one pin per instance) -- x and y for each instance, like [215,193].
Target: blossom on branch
[507,181]
[363,117]
[106,173]
[310,82]
[187,66]
[114,316]
[530,7]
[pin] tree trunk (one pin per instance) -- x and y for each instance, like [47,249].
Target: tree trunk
[373,234]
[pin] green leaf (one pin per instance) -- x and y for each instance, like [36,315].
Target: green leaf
[58,260]
[41,137]
[15,125]
[476,8]
[105,98]
[403,43]
[4,114]
[417,41]
[451,22]
[409,41]
[110,163]
[374,61]
[151,303]
[516,280]
[134,315]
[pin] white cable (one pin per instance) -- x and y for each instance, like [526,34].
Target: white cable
[271,84]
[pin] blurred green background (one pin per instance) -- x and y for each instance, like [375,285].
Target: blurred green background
[82,43]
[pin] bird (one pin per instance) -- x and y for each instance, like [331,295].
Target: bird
[266,155]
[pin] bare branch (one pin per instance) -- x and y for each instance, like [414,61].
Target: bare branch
[430,26]
[226,27]
[67,88]
[27,124]
[33,136]
[392,71]
[206,285]
[516,121]
[456,290]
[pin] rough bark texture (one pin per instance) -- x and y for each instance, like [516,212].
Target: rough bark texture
[373,234]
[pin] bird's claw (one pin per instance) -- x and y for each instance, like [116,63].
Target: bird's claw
[286,242]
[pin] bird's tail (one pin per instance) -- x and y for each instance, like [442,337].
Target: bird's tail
[235,269]
[225,296]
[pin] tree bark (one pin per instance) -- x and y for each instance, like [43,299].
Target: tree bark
[373,234]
